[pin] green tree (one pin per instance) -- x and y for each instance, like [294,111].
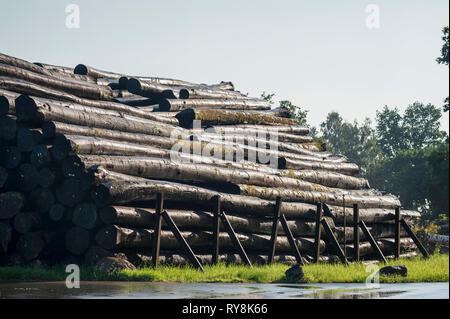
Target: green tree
[444,59]
[417,128]
[438,181]
[297,112]
[354,140]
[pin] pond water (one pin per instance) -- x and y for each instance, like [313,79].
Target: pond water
[220,290]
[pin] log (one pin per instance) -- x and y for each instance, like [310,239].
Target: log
[85,215]
[48,177]
[8,127]
[11,203]
[115,237]
[6,232]
[178,105]
[386,246]
[19,63]
[4,175]
[42,199]
[199,220]
[245,129]
[342,168]
[327,178]
[70,192]
[7,105]
[27,177]
[56,212]
[77,240]
[151,89]
[28,221]
[138,190]
[226,117]
[149,167]
[28,110]
[29,138]
[372,215]
[31,245]
[40,155]
[202,92]
[78,88]
[10,157]
[294,195]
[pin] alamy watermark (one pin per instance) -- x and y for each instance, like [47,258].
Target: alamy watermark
[253,145]
[373,17]
[373,280]
[73,279]
[73,16]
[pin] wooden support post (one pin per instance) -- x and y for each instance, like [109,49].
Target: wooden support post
[318,233]
[183,243]
[292,243]
[216,230]
[416,240]
[273,237]
[397,233]
[372,241]
[330,234]
[157,229]
[234,239]
[356,255]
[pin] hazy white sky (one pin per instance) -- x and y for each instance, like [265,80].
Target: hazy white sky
[318,54]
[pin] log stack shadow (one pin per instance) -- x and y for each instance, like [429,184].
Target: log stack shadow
[84,152]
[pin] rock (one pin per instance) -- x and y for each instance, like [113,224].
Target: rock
[393,271]
[294,273]
[114,263]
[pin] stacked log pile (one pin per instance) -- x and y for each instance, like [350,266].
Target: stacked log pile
[84,153]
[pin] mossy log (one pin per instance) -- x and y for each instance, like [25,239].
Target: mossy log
[227,117]
[178,105]
[380,215]
[78,88]
[115,237]
[364,200]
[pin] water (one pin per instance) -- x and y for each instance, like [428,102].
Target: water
[219,290]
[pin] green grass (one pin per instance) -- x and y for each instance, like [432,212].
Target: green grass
[434,269]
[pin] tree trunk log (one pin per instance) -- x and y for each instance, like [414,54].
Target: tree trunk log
[5,237]
[85,90]
[85,215]
[11,203]
[77,240]
[27,222]
[114,237]
[27,177]
[178,105]
[342,168]
[226,117]
[8,127]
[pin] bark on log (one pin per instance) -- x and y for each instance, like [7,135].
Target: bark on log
[19,63]
[11,203]
[151,89]
[199,220]
[85,90]
[7,104]
[226,117]
[119,193]
[28,221]
[294,195]
[27,112]
[115,237]
[343,168]
[6,232]
[369,216]
[202,92]
[178,105]
[386,246]
[245,129]
[153,168]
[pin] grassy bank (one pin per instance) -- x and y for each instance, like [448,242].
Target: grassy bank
[434,269]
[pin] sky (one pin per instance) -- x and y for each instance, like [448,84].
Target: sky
[321,55]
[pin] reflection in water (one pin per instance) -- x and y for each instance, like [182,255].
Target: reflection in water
[220,290]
